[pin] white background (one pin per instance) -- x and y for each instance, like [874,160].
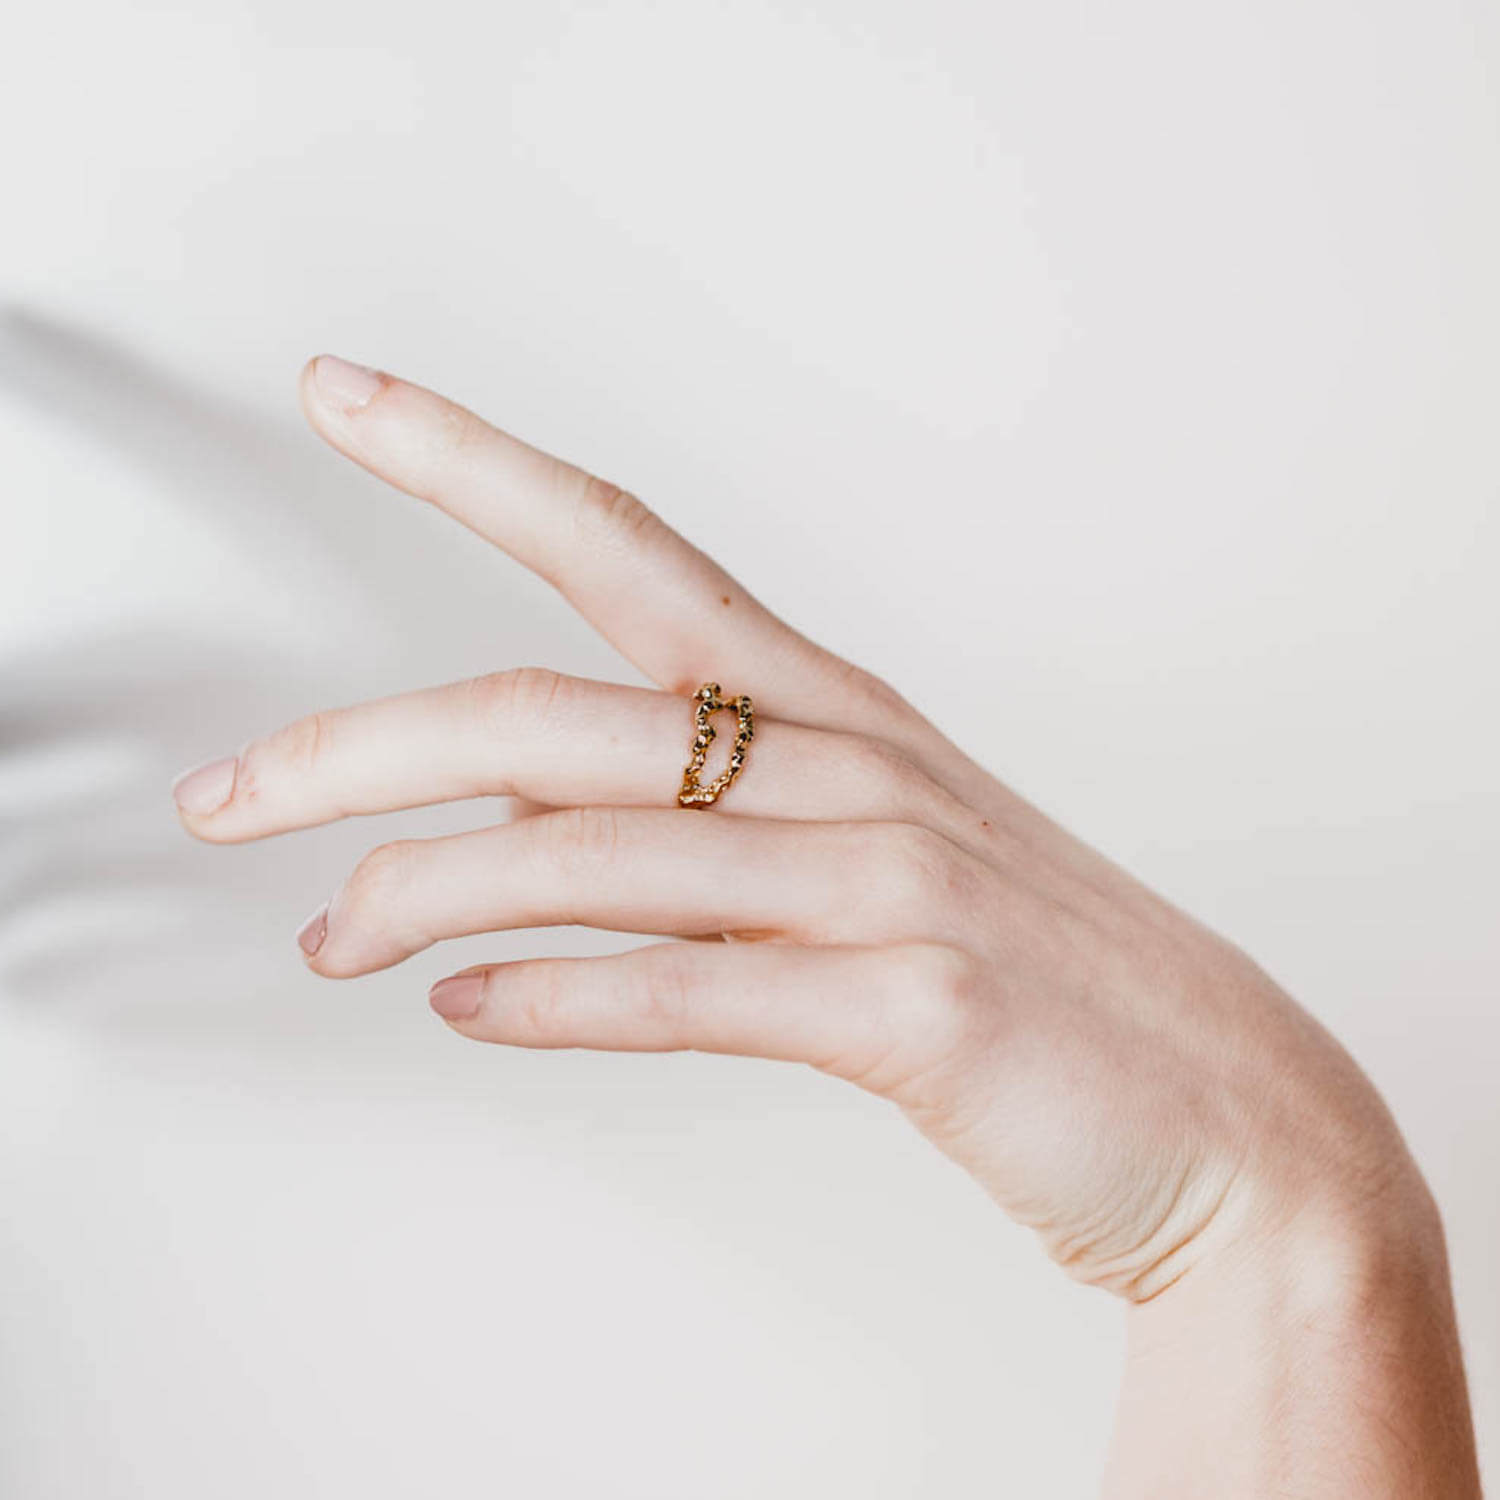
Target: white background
[1118,380]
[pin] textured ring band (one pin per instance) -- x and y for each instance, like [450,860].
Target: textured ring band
[707,702]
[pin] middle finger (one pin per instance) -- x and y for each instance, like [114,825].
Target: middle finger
[563,741]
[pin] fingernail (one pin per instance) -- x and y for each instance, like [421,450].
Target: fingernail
[457,999]
[205,789]
[345,385]
[313,931]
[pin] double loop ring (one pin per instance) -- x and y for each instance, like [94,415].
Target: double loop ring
[707,702]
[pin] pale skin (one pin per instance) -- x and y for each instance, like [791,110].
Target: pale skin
[1176,1129]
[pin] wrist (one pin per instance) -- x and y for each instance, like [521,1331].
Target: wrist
[1318,1358]
[1339,1249]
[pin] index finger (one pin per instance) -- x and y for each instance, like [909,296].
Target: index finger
[666,606]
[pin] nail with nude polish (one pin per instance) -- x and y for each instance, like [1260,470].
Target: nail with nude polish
[457,999]
[206,788]
[313,931]
[345,386]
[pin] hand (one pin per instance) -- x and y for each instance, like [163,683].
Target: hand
[1119,1078]
[1116,1076]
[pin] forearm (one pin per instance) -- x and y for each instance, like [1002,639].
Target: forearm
[1320,1366]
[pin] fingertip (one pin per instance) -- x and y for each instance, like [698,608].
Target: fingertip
[458,998]
[314,930]
[331,384]
[209,802]
[203,790]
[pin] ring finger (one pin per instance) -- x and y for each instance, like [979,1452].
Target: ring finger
[652,871]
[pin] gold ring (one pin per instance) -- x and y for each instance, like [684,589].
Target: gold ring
[706,702]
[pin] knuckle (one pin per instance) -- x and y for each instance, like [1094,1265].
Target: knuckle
[379,881]
[926,1003]
[524,693]
[867,688]
[458,428]
[915,864]
[582,838]
[609,511]
[888,775]
[664,992]
[948,976]
[943,998]
[301,748]
[538,1007]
